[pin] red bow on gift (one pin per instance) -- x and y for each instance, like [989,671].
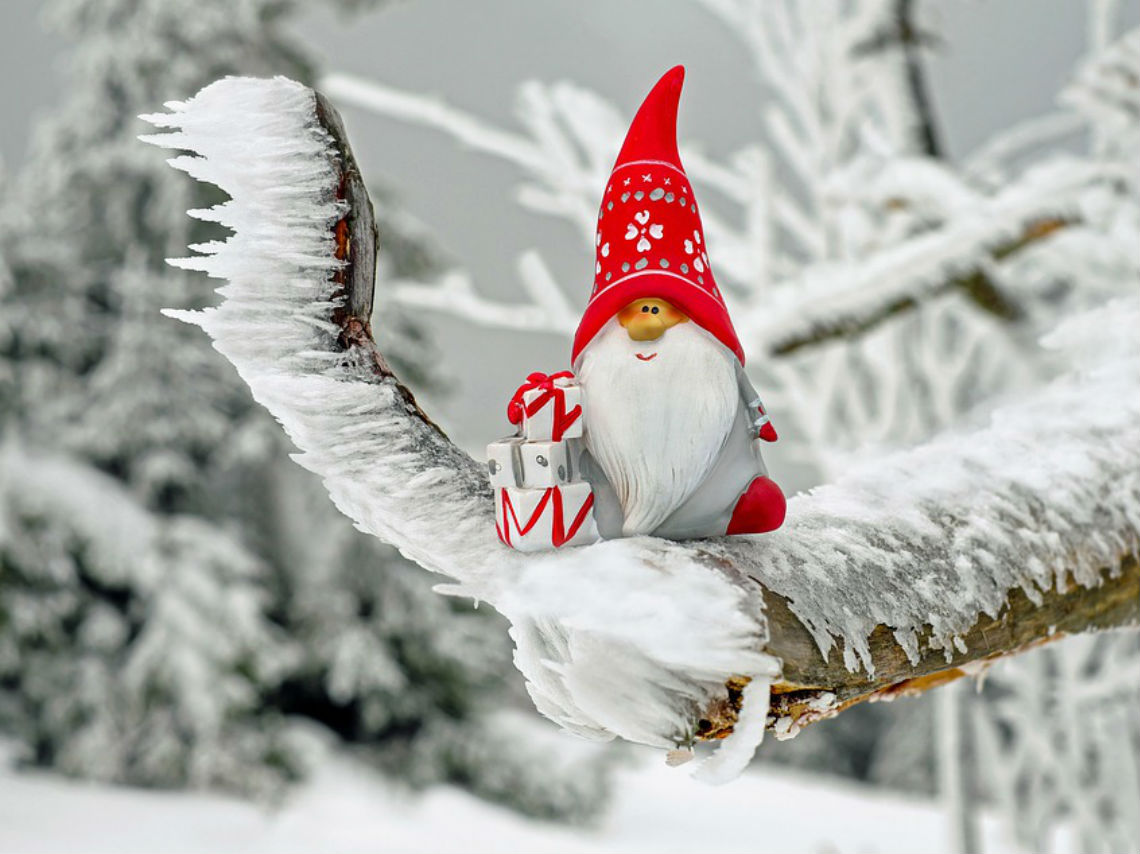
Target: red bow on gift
[536,380]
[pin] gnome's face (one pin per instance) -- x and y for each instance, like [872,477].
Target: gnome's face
[658,409]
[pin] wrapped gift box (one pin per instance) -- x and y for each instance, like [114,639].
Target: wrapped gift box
[516,462]
[533,520]
[504,462]
[552,411]
[550,463]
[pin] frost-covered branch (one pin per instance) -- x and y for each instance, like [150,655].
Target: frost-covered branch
[989,162]
[283,322]
[830,302]
[969,547]
[453,292]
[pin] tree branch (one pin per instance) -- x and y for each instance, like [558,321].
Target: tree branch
[953,256]
[975,284]
[900,32]
[970,547]
[811,688]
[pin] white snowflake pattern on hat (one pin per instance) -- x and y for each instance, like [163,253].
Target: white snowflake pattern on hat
[701,259]
[644,230]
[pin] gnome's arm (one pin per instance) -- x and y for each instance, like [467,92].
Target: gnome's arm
[758,419]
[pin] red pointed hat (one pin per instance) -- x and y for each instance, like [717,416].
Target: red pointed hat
[650,243]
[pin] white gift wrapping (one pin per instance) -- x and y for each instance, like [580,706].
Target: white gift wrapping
[535,520]
[550,463]
[504,462]
[513,461]
[553,413]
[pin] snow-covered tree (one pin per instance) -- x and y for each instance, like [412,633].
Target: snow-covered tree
[1059,736]
[86,229]
[106,667]
[183,597]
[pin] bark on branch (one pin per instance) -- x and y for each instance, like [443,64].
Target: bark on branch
[811,688]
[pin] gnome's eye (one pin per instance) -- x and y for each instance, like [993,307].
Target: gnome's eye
[656,309]
[644,309]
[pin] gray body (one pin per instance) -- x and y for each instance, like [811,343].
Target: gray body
[706,512]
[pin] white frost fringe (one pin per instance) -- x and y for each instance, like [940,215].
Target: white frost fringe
[628,638]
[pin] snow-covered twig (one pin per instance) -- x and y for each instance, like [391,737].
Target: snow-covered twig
[1107,92]
[567,151]
[454,293]
[990,161]
[968,547]
[829,302]
[349,89]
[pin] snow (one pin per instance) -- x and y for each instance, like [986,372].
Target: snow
[617,638]
[347,807]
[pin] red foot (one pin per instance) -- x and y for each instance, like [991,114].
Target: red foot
[760,509]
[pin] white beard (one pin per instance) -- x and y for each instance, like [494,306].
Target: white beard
[656,427]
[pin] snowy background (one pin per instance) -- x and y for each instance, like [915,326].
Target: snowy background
[181,608]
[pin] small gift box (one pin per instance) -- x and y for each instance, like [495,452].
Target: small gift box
[534,520]
[548,407]
[516,462]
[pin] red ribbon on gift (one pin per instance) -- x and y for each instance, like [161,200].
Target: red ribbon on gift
[559,533]
[538,380]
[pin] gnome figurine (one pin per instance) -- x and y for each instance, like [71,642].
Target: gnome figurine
[671,423]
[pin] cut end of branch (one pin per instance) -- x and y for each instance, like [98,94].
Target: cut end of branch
[355,245]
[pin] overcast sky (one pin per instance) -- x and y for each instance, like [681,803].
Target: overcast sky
[999,61]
